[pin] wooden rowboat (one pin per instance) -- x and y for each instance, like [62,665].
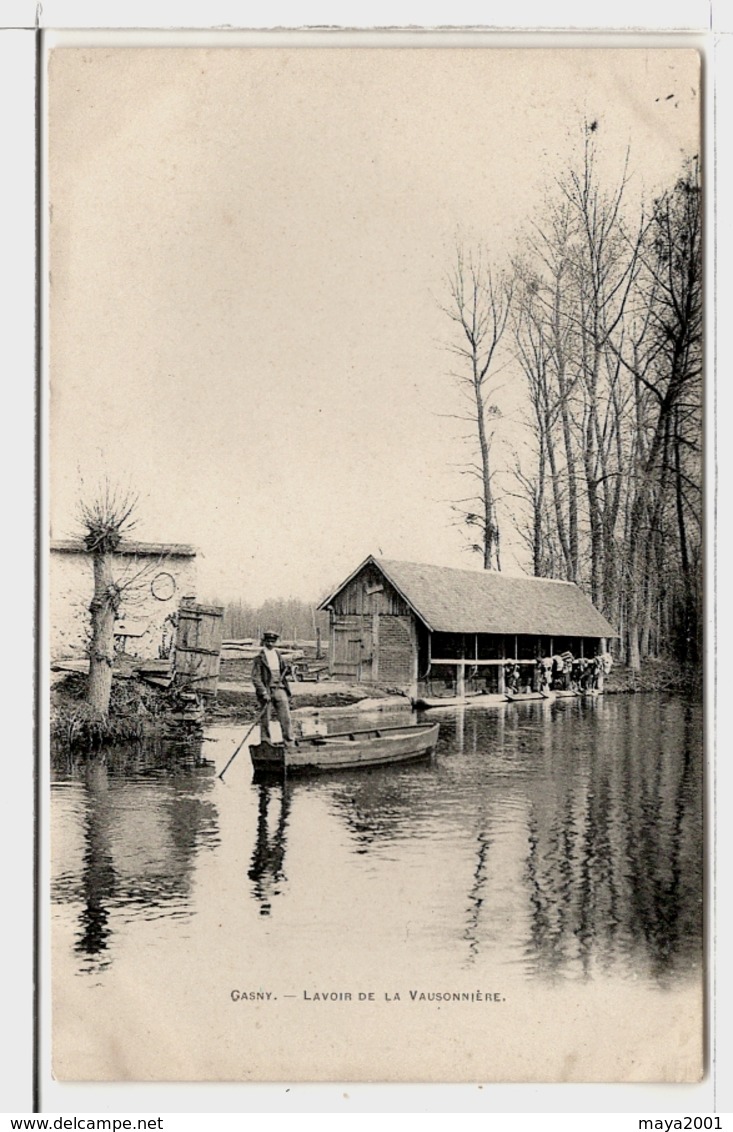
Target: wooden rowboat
[513,696]
[376,746]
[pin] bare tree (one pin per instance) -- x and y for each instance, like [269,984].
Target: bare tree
[105,519]
[549,486]
[607,328]
[605,271]
[665,366]
[479,306]
[575,281]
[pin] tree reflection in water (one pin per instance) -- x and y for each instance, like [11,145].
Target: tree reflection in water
[584,821]
[142,820]
[614,866]
[98,874]
[475,897]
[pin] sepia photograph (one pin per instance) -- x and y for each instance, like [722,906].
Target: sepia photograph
[375,633]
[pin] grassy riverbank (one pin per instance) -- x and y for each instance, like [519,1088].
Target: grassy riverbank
[656,675]
[136,710]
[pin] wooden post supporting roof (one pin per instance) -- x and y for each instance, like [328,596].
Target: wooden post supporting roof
[461,670]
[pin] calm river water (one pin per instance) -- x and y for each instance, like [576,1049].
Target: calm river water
[543,845]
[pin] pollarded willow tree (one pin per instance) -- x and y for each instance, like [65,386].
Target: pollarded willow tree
[479,306]
[105,519]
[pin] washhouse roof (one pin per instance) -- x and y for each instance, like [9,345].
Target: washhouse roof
[486,601]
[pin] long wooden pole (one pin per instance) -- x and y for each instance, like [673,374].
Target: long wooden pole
[257,719]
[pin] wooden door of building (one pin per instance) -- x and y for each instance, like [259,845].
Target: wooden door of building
[346,650]
[198,645]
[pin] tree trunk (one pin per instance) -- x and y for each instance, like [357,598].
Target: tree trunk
[645,642]
[689,632]
[491,530]
[633,605]
[104,607]
[632,634]
[595,521]
[593,457]
[539,508]
[559,516]
[573,543]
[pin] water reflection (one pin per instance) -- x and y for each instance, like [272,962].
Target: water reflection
[614,862]
[381,805]
[139,817]
[267,867]
[98,874]
[561,840]
[472,932]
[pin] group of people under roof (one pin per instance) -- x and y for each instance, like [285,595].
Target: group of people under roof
[562,672]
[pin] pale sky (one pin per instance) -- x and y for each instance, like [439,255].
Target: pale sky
[248,249]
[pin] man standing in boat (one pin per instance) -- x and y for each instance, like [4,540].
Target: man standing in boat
[270,677]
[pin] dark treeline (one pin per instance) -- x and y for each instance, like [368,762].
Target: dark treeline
[605,335]
[289,617]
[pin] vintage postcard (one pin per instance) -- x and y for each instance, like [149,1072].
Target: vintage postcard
[375,563]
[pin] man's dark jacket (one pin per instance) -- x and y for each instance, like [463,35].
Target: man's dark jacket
[262,676]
